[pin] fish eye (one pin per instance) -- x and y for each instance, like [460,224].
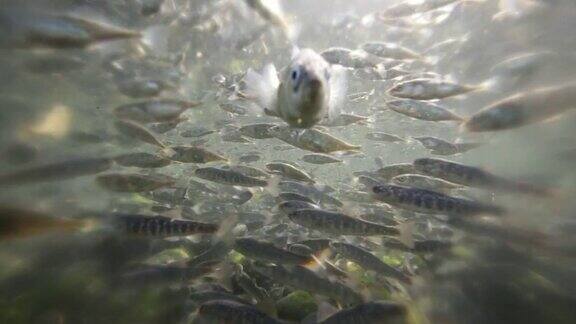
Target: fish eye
[294,74]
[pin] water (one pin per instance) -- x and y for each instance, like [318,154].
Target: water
[58,103]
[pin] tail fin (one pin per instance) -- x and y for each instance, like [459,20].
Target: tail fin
[263,87]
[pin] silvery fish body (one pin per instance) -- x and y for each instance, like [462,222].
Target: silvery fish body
[308,91]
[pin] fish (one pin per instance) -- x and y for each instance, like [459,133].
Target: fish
[19,223]
[50,63]
[196,132]
[428,89]
[248,171]
[200,297]
[423,110]
[289,171]
[383,137]
[471,176]
[431,202]
[230,312]
[424,182]
[194,154]
[35,29]
[268,252]
[249,158]
[142,160]
[164,127]
[339,224]
[160,226]
[140,88]
[312,140]
[287,196]
[344,120]
[271,11]
[138,132]
[367,260]
[257,131]
[368,182]
[420,246]
[355,59]
[229,177]
[289,206]
[373,312]
[390,50]
[320,159]
[133,182]
[154,111]
[441,147]
[408,8]
[315,245]
[164,274]
[56,171]
[524,108]
[390,171]
[300,277]
[308,91]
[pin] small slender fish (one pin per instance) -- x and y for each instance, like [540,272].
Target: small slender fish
[422,110]
[374,312]
[163,127]
[138,132]
[287,196]
[154,111]
[142,160]
[408,8]
[315,245]
[390,50]
[308,91]
[160,226]
[56,171]
[354,59]
[200,297]
[390,171]
[344,120]
[441,147]
[320,159]
[383,137]
[338,223]
[424,182]
[140,88]
[194,154]
[161,275]
[252,288]
[312,140]
[301,278]
[248,171]
[16,223]
[289,206]
[431,202]
[257,131]
[230,312]
[367,260]
[133,182]
[289,171]
[471,176]
[34,29]
[229,177]
[268,252]
[428,89]
[525,108]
